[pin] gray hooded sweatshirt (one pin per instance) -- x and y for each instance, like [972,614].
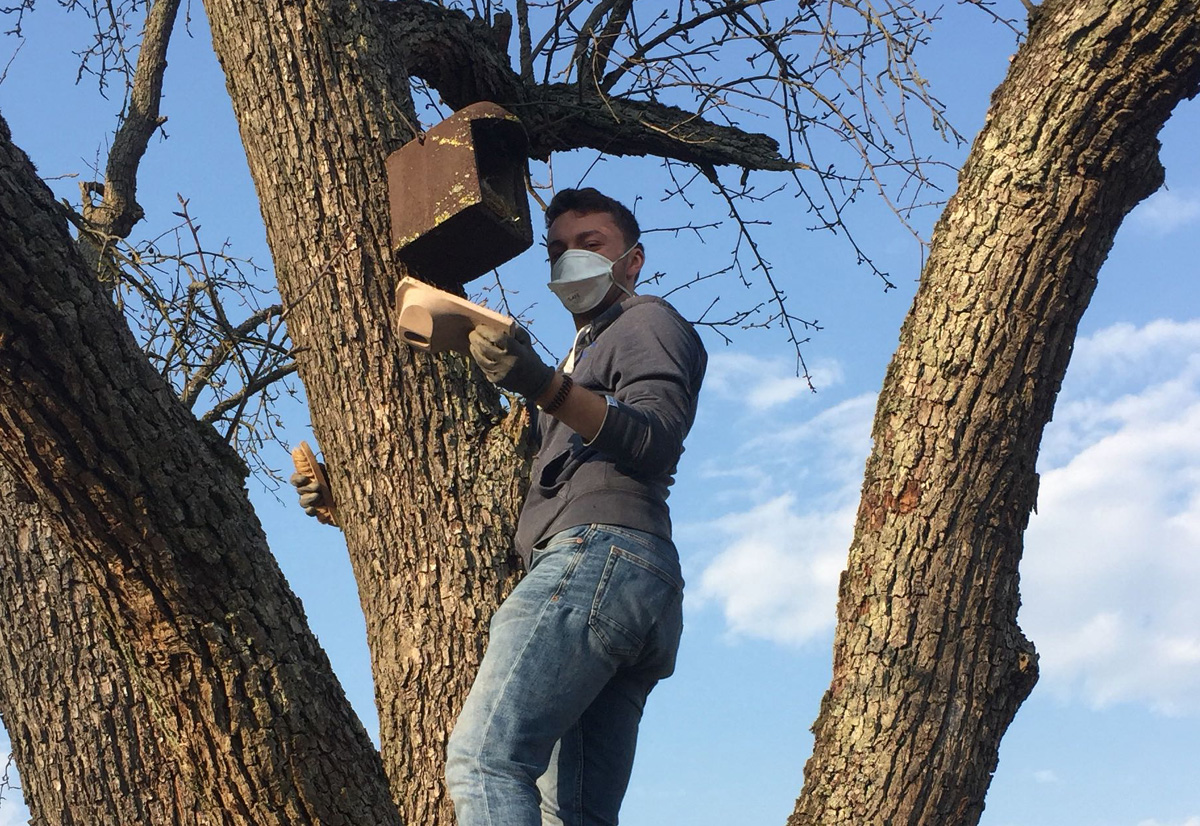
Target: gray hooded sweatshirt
[649,362]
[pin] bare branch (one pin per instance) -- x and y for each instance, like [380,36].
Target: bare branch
[524,38]
[9,63]
[6,783]
[238,336]
[559,120]
[22,7]
[587,36]
[242,397]
[680,28]
[554,34]
[463,65]
[608,38]
[117,212]
[778,296]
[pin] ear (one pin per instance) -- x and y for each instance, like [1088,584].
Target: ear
[633,265]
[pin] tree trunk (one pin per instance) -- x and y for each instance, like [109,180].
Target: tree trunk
[81,728]
[929,664]
[426,470]
[236,704]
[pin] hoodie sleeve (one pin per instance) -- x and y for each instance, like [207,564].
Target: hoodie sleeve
[655,362]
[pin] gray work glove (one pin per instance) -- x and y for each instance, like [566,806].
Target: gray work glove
[507,359]
[310,492]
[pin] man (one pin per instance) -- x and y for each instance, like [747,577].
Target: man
[546,736]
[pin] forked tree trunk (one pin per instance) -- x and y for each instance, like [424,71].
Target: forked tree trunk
[426,472]
[929,664]
[236,697]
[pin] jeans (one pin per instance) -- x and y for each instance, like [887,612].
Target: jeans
[546,736]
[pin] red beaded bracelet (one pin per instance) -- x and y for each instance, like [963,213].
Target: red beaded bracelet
[564,390]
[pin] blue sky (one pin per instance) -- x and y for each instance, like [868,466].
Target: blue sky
[766,494]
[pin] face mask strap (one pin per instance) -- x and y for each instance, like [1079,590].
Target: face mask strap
[612,270]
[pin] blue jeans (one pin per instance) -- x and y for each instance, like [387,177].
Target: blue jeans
[546,736]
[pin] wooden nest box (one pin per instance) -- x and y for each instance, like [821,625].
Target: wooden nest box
[457,196]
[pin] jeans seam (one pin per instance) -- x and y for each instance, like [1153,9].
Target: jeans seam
[648,560]
[578,727]
[625,533]
[642,562]
[508,677]
[567,574]
[594,613]
[596,619]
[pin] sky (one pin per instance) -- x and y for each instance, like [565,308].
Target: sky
[765,498]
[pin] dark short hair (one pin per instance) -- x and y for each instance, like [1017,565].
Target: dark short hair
[588,201]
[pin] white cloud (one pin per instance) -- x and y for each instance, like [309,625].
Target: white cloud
[762,384]
[1191,821]
[1166,211]
[1045,776]
[776,578]
[1125,345]
[778,554]
[1112,561]
[837,440]
[745,465]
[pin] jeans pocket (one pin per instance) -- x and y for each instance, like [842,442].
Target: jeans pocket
[569,539]
[630,598]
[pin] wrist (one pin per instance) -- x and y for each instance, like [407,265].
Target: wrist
[555,394]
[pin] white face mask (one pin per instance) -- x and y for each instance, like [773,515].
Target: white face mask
[582,278]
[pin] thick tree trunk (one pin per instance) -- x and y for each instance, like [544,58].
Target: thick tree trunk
[239,700]
[82,731]
[90,747]
[929,664]
[426,470]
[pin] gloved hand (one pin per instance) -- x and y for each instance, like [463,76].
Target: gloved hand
[508,360]
[311,497]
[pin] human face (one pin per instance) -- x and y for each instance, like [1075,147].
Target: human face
[598,233]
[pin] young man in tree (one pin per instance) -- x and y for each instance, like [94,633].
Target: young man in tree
[547,733]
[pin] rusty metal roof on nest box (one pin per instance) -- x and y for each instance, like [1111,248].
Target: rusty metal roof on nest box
[458,201]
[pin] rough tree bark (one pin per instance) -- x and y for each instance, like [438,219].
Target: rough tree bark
[68,699]
[241,711]
[425,476]
[929,664]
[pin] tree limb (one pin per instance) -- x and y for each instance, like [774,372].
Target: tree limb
[220,354]
[457,56]
[117,212]
[608,38]
[242,396]
[929,599]
[195,599]
[559,119]
[683,26]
